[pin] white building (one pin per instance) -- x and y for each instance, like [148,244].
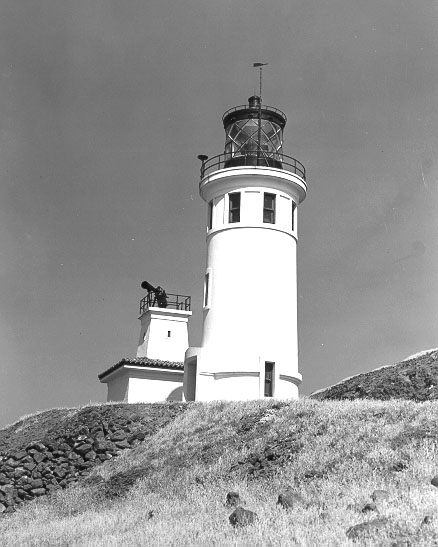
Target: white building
[249,346]
[156,374]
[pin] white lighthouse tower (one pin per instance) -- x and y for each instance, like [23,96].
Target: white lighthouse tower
[249,346]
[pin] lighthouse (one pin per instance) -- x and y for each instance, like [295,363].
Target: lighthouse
[249,347]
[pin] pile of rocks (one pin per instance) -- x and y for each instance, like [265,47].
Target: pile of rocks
[274,455]
[91,438]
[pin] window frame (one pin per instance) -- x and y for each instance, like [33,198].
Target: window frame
[206,289]
[234,209]
[268,385]
[210,215]
[271,211]
[294,206]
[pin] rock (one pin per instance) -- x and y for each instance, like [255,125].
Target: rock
[289,499]
[40,447]
[38,457]
[7,489]
[19,455]
[20,472]
[118,435]
[59,472]
[12,463]
[434,481]
[369,507]
[38,491]
[150,515]
[122,444]
[91,455]
[427,520]
[81,438]
[233,499]
[85,465]
[37,483]
[83,449]
[355,531]
[380,495]
[242,517]
[3,479]
[29,466]
[101,445]
[2,508]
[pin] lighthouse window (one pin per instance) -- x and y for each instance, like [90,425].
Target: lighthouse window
[234,202]
[269,208]
[269,379]
[206,289]
[293,215]
[210,214]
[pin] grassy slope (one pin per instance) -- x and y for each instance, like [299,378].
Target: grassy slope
[414,378]
[335,454]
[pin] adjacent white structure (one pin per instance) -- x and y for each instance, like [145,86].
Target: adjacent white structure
[156,374]
[249,346]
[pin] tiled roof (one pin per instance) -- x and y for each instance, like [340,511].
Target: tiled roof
[144,362]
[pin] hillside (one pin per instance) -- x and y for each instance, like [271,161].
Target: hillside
[306,473]
[415,378]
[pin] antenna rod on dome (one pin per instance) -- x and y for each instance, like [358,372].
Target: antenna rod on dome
[259,135]
[260,65]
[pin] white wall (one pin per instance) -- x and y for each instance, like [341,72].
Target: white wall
[118,388]
[144,385]
[156,386]
[251,313]
[155,341]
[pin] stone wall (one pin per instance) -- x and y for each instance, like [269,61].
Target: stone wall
[93,436]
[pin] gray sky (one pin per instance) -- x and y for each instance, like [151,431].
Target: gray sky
[104,108]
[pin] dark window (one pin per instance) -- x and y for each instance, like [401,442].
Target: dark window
[207,280]
[269,379]
[293,215]
[210,214]
[234,201]
[269,208]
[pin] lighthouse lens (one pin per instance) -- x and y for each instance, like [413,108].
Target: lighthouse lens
[253,141]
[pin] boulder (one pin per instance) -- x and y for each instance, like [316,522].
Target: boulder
[366,527]
[289,499]
[242,517]
[233,499]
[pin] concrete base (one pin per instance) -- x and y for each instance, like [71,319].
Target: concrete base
[242,380]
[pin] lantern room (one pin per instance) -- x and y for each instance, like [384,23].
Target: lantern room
[254,135]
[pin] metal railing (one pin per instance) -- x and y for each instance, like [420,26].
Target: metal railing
[253,158]
[174,302]
[256,109]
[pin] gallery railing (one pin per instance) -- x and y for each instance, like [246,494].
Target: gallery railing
[253,158]
[172,301]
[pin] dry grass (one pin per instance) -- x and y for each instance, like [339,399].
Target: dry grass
[348,450]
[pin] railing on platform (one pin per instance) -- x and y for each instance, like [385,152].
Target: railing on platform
[265,108]
[253,158]
[173,301]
